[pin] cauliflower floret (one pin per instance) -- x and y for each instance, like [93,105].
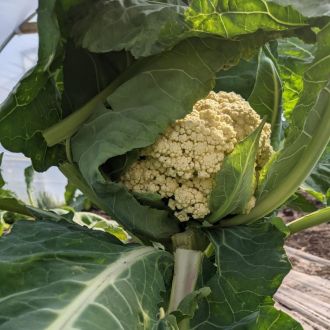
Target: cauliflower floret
[182,163]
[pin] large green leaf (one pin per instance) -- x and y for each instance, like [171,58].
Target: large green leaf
[146,28]
[143,27]
[307,137]
[235,182]
[266,97]
[64,277]
[232,18]
[251,264]
[33,105]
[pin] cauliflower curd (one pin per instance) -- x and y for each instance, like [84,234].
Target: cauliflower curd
[180,166]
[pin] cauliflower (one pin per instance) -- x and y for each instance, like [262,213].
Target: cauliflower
[180,166]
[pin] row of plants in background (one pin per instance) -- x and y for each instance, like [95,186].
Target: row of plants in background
[190,124]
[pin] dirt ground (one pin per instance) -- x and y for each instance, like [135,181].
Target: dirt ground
[314,241]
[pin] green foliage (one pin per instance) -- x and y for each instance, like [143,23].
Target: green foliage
[251,264]
[111,78]
[266,96]
[73,271]
[235,182]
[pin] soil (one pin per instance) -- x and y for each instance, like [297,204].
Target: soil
[314,240]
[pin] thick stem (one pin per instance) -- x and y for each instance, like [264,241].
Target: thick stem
[310,220]
[68,126]
[187,265]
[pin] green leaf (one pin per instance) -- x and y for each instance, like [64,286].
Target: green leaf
[99,70]
[146,28]
[293,58]
[142,27]
[96,222]
[27,111]
[123,207]
[251,264]
[306,140]
[300,203]
[235,182]
[189,304]
[150,199]
[33,105]
[266,97]
[49,34]
[239,79]
[167,323]
[233,18]
[319,179]
[66,277]
[69,194]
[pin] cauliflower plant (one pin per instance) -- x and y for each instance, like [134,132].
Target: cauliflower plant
[180,166]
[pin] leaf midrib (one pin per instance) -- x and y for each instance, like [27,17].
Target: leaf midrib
[70,313]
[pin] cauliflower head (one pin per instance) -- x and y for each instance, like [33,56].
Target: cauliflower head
[180,166]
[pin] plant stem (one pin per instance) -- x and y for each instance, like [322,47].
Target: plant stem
[310,220]
[76,179]
[68,126]
[187,264]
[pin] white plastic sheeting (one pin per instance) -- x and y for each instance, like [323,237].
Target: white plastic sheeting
[17,57]
[12,14]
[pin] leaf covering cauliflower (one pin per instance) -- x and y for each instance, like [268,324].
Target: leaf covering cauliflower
[180,166]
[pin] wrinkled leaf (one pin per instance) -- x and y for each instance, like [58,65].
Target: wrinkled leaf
[63,277]
[143,27]
[251,264]
[146,28]
[34,105]
[235,182]
[232,18]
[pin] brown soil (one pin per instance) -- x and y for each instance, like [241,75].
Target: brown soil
[315,241]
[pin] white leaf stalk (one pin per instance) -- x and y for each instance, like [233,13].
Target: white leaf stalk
[187,265]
